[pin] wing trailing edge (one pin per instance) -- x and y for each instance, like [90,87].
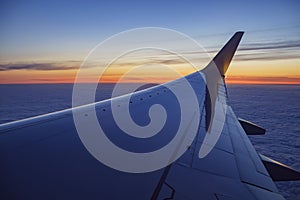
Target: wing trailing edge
[250,128]
[279,171]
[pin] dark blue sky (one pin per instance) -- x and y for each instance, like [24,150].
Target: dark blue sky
[70,28]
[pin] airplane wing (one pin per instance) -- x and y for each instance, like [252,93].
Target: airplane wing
[44,157]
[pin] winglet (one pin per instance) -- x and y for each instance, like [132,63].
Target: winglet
[219,64]
[224,57]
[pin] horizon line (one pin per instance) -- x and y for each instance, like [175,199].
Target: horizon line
[227,83]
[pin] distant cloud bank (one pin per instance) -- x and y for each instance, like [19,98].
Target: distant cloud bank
[38,66]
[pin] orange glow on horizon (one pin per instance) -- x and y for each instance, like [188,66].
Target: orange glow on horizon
[238,73]
[261,83]
[114,79]
[262,80]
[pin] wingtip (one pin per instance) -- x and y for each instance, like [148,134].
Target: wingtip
[240,32]
[225,55]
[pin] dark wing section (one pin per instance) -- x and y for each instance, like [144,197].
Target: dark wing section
[44,158]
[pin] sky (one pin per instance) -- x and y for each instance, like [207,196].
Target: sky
[47,41]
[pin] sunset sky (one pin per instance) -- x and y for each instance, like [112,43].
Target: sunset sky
[46,41]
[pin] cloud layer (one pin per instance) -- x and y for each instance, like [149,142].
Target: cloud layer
[39,66]
[264,51]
